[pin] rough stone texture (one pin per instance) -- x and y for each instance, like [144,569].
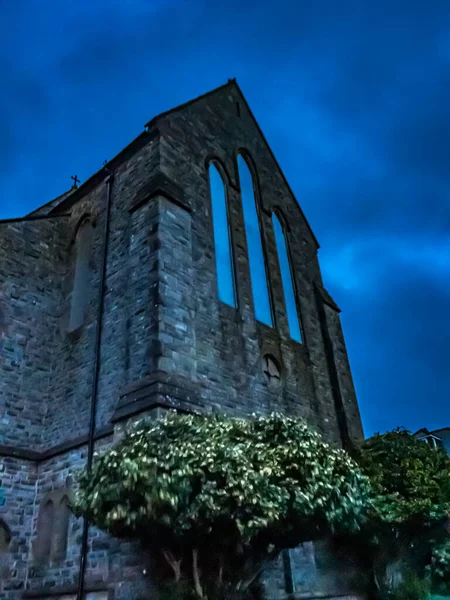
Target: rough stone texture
[18,484]
[227,339]
[166,339]
[31,271]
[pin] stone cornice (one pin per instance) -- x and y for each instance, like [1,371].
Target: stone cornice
[161,185]
[159,390]
[35,456]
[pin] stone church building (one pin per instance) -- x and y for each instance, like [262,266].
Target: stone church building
[182,274]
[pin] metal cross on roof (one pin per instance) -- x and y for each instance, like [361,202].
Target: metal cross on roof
[76,181]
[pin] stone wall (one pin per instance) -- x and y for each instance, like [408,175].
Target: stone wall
[166,339]
[315,571]
[71,383]
[161,310]
[31,271]
[230,343]
[18,486]
[25,487]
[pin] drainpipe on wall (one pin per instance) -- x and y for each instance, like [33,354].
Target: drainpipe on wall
[96,369]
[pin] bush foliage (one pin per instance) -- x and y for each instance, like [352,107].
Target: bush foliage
[410,503]
[216,497]
[410,479]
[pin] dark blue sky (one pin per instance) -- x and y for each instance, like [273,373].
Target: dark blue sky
[354,98]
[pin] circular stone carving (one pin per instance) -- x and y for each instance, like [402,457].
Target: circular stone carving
[271,370]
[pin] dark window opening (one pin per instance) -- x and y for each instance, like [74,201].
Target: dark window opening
[258,272]
[80,287]
[287,278]
[222,238]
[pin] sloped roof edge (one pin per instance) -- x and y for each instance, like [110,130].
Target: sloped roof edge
[129,150]
[51,204]
[233,83]
[96,177]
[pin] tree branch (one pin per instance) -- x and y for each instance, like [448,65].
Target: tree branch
[174,563]
[244,584]
[196,573]
[220,577]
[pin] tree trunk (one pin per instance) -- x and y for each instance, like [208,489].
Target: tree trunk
[196,575]
[395,574]
[389,569]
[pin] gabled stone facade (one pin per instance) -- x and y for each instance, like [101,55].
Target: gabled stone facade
[154,335]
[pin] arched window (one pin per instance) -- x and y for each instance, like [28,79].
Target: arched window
[258,272]
[222,237]
[79,296]
[287,279]
[45,532]
[61,529]
[53,527]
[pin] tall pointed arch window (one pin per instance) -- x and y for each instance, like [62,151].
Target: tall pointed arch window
[80,287]
[222,237]
[53,527]
[43,547]
[61,529]
[287,279]
[258,271]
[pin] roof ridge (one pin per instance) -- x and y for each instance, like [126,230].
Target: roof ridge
[148,126]
[283,176]
[61,197]
[153,120]
[233,82]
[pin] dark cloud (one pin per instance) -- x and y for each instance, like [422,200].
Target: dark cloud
[354,99]
[398,340]
[23,102]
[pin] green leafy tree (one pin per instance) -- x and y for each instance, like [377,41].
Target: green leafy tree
[410,483]
[439,567]
[412,587]
[215,497]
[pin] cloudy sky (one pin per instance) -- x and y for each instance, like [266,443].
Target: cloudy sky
[354,98]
